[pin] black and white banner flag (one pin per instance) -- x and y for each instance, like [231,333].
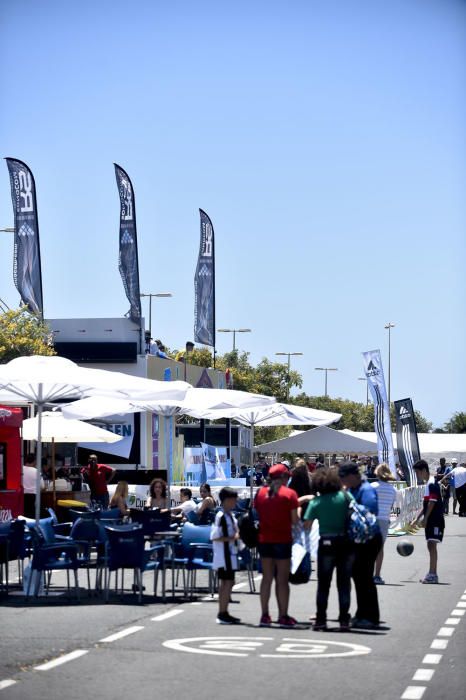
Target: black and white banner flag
[204,286]
[406,438]
[128,263]
[376,381]
[27,273]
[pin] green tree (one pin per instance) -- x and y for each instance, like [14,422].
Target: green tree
[23,333]
[456,424]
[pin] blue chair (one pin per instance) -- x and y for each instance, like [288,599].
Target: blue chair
[195,553]
[89,535]
[111,516]
[126,550]
[46,558]
[152,521]
[12,546]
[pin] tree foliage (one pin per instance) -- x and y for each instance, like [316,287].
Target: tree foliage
[23,333]
[456,424]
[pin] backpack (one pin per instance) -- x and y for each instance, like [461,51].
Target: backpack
[248,530]
[361,524]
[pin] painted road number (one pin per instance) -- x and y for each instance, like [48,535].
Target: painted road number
[266,647]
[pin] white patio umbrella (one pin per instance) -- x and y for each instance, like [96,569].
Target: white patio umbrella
[55,429]
[276,414]
[42,380]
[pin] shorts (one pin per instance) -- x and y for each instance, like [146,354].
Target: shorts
[383,525]
[225,574]
[275,550]
[434,532]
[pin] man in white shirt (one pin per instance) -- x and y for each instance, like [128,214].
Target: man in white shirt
[187,503]
[30,485]
[457,478]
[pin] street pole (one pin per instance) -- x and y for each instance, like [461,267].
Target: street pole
[234,331]
[389,327]
[288,380]
[150,295]
[363,379]
[326,370]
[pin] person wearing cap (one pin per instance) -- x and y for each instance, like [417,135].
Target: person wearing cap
[457,478]
[277,508]
[365,554]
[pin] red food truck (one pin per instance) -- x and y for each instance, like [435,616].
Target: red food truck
[11,490]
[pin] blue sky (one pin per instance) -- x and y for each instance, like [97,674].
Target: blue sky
[326,140]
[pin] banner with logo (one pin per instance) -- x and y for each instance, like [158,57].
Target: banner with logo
[204,285]
[375,378]
[27,273]
[406,438]
[128,259]
[120,425]
[216,463]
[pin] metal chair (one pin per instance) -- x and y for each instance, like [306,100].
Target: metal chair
[46,558]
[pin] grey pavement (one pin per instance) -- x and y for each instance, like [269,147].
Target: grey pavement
[188,654]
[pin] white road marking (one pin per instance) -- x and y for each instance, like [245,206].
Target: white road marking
[424,674]
[413,692]
[458,613]
[452,621]
[238,586]
[195,603]
[6,683]
[461,604]
[439,644]
[121,634]
[62,660]
[445,632]
[166,616]
[432,658]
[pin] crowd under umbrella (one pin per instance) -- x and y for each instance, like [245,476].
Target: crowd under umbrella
[267,416]
[195,400]
[56,429]
[42,380]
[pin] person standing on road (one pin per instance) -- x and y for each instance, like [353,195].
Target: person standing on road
[457,477]
[367,613]
[330,508]
[442,471]
[432,516]
[224,535]
[277,508]
[386,494]
[98,476]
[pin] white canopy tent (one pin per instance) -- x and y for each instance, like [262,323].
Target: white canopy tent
[320,440]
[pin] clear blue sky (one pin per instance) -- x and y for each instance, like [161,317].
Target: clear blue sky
[326,140]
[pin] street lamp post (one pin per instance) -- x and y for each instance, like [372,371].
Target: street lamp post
[389,327]
[288,355]
[326,370]
[7,230]
[363,379]
[159,294]
[234,331]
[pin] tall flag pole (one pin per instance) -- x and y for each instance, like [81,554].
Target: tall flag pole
[376,381]
[204,286]
[27,272]
[406,438]
[128,263]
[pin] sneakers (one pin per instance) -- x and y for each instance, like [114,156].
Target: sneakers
[363,624]
[429,578]
[378,580]
[286,621]
[265,621]
[345,627]
[320,627]
[227,619]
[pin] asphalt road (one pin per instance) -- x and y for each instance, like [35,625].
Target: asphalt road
[178,650]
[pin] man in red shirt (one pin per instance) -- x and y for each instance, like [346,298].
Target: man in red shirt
[277,507]
[98,476]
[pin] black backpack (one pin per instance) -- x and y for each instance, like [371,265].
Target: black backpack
[249,530]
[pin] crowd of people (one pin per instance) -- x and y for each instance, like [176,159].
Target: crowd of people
[298,497]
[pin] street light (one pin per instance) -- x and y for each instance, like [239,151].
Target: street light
[326,370]
[160,294]
[7,230]
[288,355]
[234,331]
[364,379]
[389,327]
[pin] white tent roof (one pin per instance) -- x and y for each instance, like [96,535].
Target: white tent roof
[321,439]
[446,445]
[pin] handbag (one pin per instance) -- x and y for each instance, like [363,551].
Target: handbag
[361,524]
[303,572]
[249,530]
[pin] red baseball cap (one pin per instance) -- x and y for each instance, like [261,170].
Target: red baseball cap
[278,470]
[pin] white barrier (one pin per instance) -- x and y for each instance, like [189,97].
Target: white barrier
[408,503]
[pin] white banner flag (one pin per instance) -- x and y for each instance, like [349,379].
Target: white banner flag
[375,378]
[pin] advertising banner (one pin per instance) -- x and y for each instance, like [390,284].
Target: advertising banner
[375,378]
[128,259]
[119,425]
[27,273]
[216,462]
[406,438]
[204,285]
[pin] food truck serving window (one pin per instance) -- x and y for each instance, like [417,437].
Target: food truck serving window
[2,465]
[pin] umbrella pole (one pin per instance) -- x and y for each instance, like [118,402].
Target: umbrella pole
[251,480]
[39,453]
[54,475]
